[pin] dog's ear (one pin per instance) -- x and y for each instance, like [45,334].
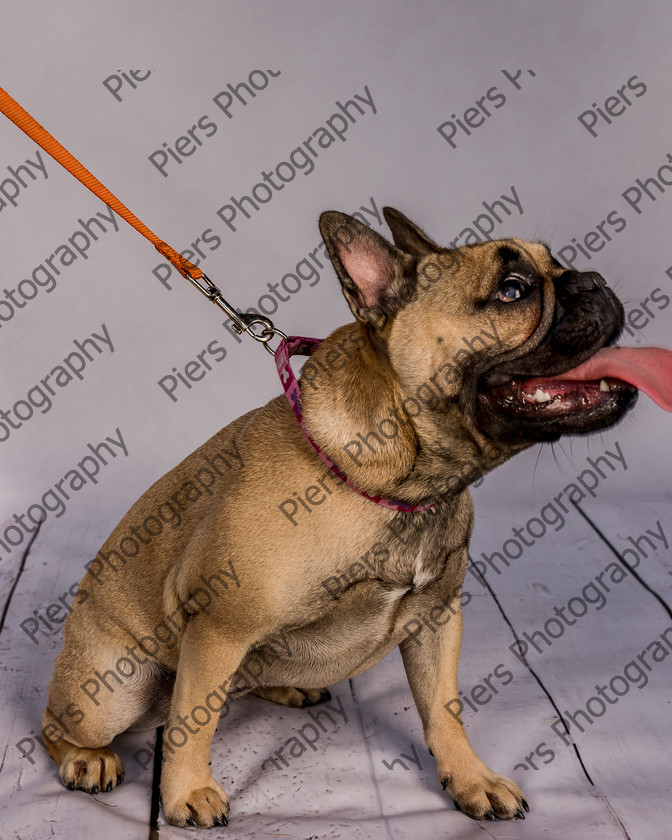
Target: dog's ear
[376,277]
[407,236]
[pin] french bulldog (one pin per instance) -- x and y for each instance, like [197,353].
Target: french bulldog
[317,542]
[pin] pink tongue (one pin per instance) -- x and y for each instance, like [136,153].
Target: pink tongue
[647,368]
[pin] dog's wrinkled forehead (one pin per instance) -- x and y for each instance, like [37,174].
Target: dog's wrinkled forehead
[514,254]
[529,260]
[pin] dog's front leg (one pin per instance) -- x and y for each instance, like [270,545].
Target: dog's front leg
[208,660]
[431,668]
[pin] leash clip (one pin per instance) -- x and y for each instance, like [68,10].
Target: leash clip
[242,322]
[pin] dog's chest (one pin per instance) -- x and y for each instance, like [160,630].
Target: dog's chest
[370,596]
[423,555]
[368,618]
[425,570]
[428,564]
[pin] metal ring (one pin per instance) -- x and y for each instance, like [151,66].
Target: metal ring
[269,333]
[258,319]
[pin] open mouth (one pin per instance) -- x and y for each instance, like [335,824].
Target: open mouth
[609,379]
[554,397]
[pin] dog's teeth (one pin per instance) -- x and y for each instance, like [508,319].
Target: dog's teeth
[604,385]
[539,396]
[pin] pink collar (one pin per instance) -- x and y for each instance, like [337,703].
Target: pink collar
[300,346]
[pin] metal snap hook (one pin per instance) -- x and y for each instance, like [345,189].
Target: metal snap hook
[242,322]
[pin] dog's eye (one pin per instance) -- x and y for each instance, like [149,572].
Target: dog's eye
[512,288]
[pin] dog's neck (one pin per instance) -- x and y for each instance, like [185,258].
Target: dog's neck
[353,408]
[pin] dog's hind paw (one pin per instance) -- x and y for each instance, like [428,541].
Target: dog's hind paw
[93,771]
[297,697]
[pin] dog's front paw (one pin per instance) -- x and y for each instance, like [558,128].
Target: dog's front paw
[486,795]
[204,807]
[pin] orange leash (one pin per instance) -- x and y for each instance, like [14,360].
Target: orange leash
[21,118]
[242,322]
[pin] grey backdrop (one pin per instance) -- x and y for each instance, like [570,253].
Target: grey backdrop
[421,63]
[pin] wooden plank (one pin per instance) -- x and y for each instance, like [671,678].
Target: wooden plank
[641,532]
[341,787]
[500,731]
[622,742]
[33,802]
[321,790]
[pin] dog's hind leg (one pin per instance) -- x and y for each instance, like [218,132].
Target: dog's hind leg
[84,768]
[97,691]
[298,697]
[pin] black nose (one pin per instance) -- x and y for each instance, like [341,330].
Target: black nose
[574,282]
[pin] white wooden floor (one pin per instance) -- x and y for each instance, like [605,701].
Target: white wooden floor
[613,781]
